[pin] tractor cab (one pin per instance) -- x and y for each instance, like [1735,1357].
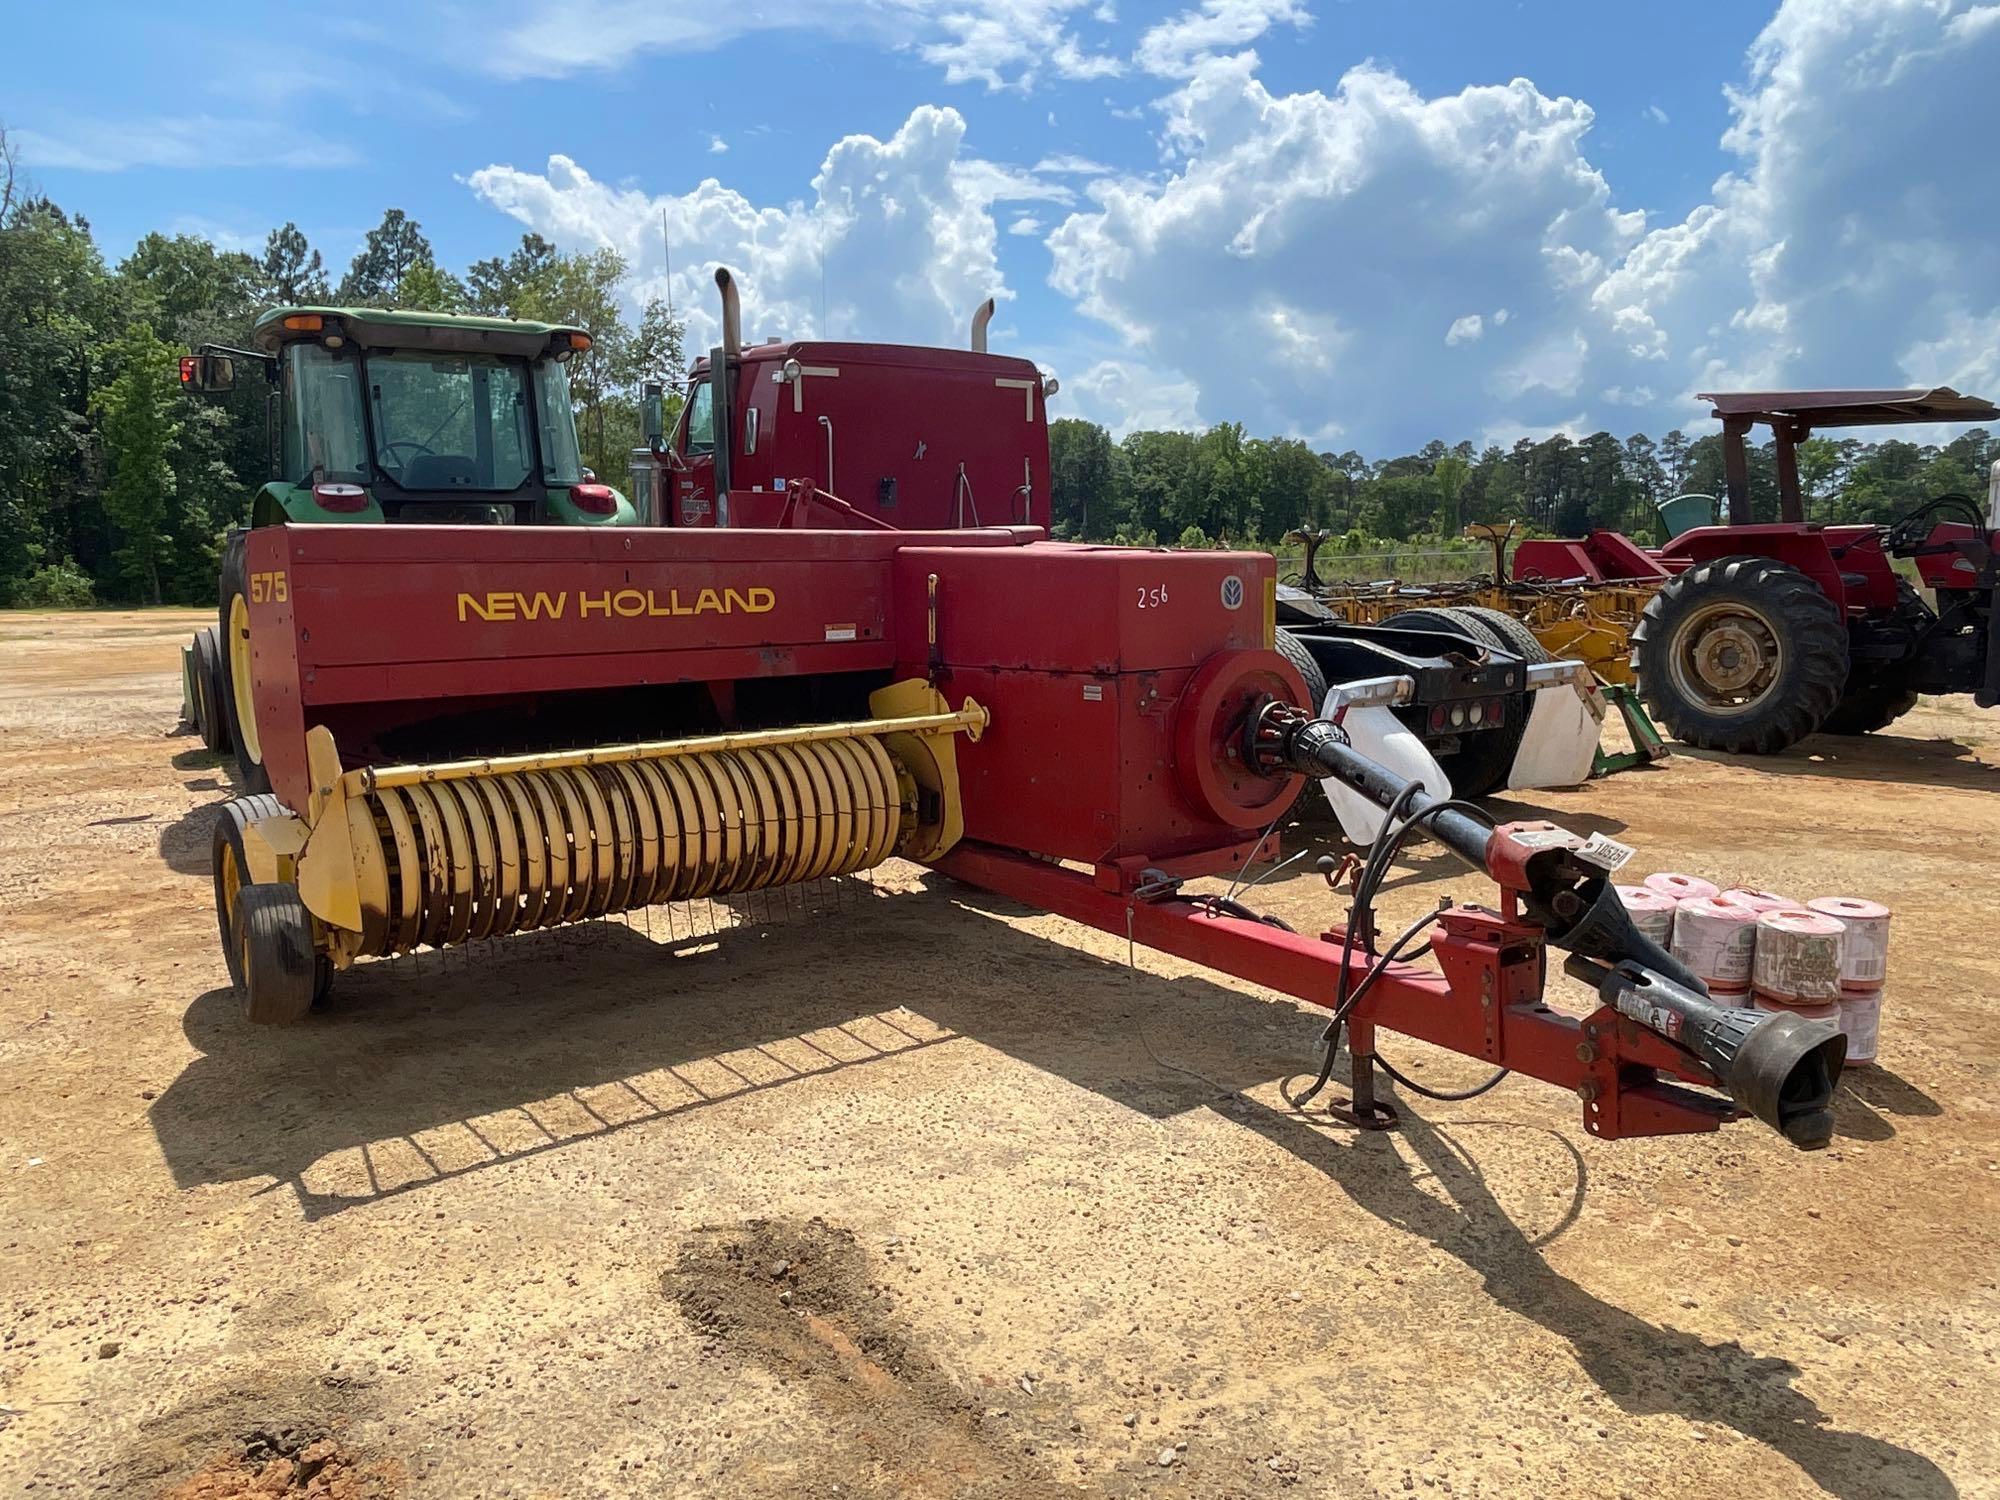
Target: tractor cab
[416,417]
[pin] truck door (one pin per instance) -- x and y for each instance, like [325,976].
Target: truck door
[693,481]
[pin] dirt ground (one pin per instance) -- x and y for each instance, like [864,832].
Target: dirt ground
[928,1195]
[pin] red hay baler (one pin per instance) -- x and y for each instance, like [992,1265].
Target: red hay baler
[474,731]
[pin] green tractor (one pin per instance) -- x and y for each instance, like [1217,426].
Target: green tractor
[390,417]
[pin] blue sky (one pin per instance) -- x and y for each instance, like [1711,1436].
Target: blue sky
[1361,223]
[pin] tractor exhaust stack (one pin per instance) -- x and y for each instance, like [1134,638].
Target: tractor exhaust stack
[981,316]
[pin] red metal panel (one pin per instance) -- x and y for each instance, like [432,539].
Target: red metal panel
[1952,570]
[910,415]
[1063,607]
[1810,549]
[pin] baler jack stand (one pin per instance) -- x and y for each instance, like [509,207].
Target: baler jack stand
[1363,1110]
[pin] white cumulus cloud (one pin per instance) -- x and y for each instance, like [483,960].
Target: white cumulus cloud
[899,232]
[1174,47]
[1288,268]
[1293,265]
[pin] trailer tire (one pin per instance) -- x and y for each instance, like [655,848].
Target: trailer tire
[1299,655]
[1744,627]
[233,658]
[1868,707]
[273,943]
[1482,761]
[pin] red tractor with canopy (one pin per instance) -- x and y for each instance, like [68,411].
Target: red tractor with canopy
[1764,634]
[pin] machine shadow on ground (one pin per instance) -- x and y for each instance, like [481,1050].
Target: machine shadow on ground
[554,1016]
[1880,757]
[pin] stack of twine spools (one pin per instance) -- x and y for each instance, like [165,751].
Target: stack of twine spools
[1826,958]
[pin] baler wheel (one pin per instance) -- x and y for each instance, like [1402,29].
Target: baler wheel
[1295,651]
[273,948]
[231,870]
[1742,654]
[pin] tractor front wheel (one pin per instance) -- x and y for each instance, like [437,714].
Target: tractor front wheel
[1741,654]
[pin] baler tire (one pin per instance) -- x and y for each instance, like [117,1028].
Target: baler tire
[1868,708]
[229,870]
[1481,763]
[274,951]
[235,588]
[1296,652]
[1808,641]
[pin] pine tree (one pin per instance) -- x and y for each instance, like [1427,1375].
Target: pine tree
[293,272]
[135,417]
[393,249]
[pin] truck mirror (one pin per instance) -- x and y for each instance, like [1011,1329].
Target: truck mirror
[208,372]
[653,416]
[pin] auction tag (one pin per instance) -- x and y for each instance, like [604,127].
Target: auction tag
[1607,854]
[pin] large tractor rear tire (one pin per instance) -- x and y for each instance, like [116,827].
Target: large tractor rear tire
[1741,654]
[233,633]
[1484,757]
[1869,706]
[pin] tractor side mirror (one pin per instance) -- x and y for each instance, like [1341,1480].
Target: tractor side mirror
[653,414]
[208,372]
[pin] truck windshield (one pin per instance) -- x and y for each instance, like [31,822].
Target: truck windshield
[561,462]
[450,421]
[323,430]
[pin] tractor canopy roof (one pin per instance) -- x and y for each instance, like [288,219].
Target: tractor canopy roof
[381,328]
[1820,409]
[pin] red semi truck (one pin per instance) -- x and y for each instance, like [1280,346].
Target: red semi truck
[835,435]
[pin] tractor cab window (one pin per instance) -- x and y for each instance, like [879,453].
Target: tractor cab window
[450,421]
[562,463]
[323,429]
[700,420]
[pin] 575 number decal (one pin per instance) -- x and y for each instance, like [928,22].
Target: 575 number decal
[1154,597]
[268,588]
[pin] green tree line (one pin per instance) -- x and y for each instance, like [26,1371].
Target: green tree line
[1191,488]
[117,485]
